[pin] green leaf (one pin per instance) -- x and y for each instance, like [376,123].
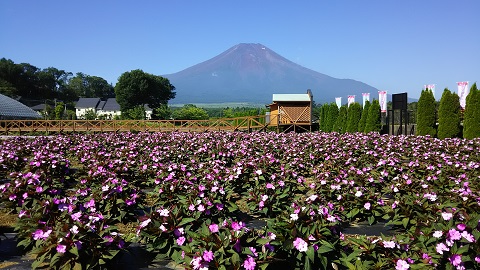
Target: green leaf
[262,241]
[185,221]
[311,253]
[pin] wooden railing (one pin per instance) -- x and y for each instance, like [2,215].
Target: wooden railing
[248,123]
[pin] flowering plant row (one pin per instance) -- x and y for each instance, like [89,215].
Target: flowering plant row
[220,200]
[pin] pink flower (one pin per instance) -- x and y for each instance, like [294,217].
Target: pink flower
[300,244]
[213,228]
[454,234]
[447,216]
[270,186]
[437,234]
[441,247]
[389,244]
[402,265]
[61,248]
[249,263]
[180,240]
[470,238]
[367,205]
[208,255]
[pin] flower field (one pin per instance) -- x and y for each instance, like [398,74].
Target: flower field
[194,198]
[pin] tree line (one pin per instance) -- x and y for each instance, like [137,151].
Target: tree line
[448,119]
[351,118]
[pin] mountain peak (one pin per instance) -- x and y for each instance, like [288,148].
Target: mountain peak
[251,72]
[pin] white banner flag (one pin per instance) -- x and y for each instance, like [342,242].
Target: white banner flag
[462,93]
[338,100]
[431,87]
[366,97]
[351,99]
[382,98]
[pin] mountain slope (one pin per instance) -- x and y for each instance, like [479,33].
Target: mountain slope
[252,73]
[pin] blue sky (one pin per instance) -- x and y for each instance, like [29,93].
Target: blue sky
[397,46]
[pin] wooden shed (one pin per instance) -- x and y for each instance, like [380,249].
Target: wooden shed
[291,112]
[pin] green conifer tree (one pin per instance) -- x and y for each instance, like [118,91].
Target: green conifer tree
[373,123]
[426,114]
[353,117]
[331,117]
[341,123]
[323,116]
[449,115]
[471,122]
[363,119]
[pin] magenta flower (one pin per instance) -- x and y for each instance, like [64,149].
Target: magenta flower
[208,255]
[61,248]
[461,226]
[213,228]
[300,244]
[270,186]
[455,259]
[249,263]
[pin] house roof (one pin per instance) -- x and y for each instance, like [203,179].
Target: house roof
[100,105]
[87,103]
[291,97]
[12,109]
[111,105]
[39,107]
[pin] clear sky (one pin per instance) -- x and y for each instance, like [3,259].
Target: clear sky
[397,46]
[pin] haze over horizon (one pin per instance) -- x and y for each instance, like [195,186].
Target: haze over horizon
[393,46]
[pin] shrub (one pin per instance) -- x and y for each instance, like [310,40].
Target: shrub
[471,123]
[426,114]
[373,123]
[341,122]
[331,117]
[363,118]
[353,117]
[449,115]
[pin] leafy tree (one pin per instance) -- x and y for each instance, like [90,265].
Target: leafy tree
[449,115]
[136,88]
[90,86]
[163,112]
[471,122]
[363,118]
[136,113]
[332,116]
[353,117]
[190,112]
[426,114]
[60,110]
[341,123]
[373,123]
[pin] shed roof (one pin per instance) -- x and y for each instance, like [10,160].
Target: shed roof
[291,97]
[87,103]
[12,109]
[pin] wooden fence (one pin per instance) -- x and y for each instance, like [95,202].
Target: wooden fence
[248,123]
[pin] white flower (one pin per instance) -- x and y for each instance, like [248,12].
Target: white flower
[358,194]
[437,234]
[164,212]
[293,216]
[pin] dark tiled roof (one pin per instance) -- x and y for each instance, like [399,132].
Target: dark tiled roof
[39,107]
[100,105]
[12,109]
[111,105]
[87,103]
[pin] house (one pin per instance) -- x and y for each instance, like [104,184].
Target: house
[86,104]
[110,109]
[291,111]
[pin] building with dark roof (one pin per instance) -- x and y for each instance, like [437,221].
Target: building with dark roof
[12,109]
[110,109]
[84,105]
